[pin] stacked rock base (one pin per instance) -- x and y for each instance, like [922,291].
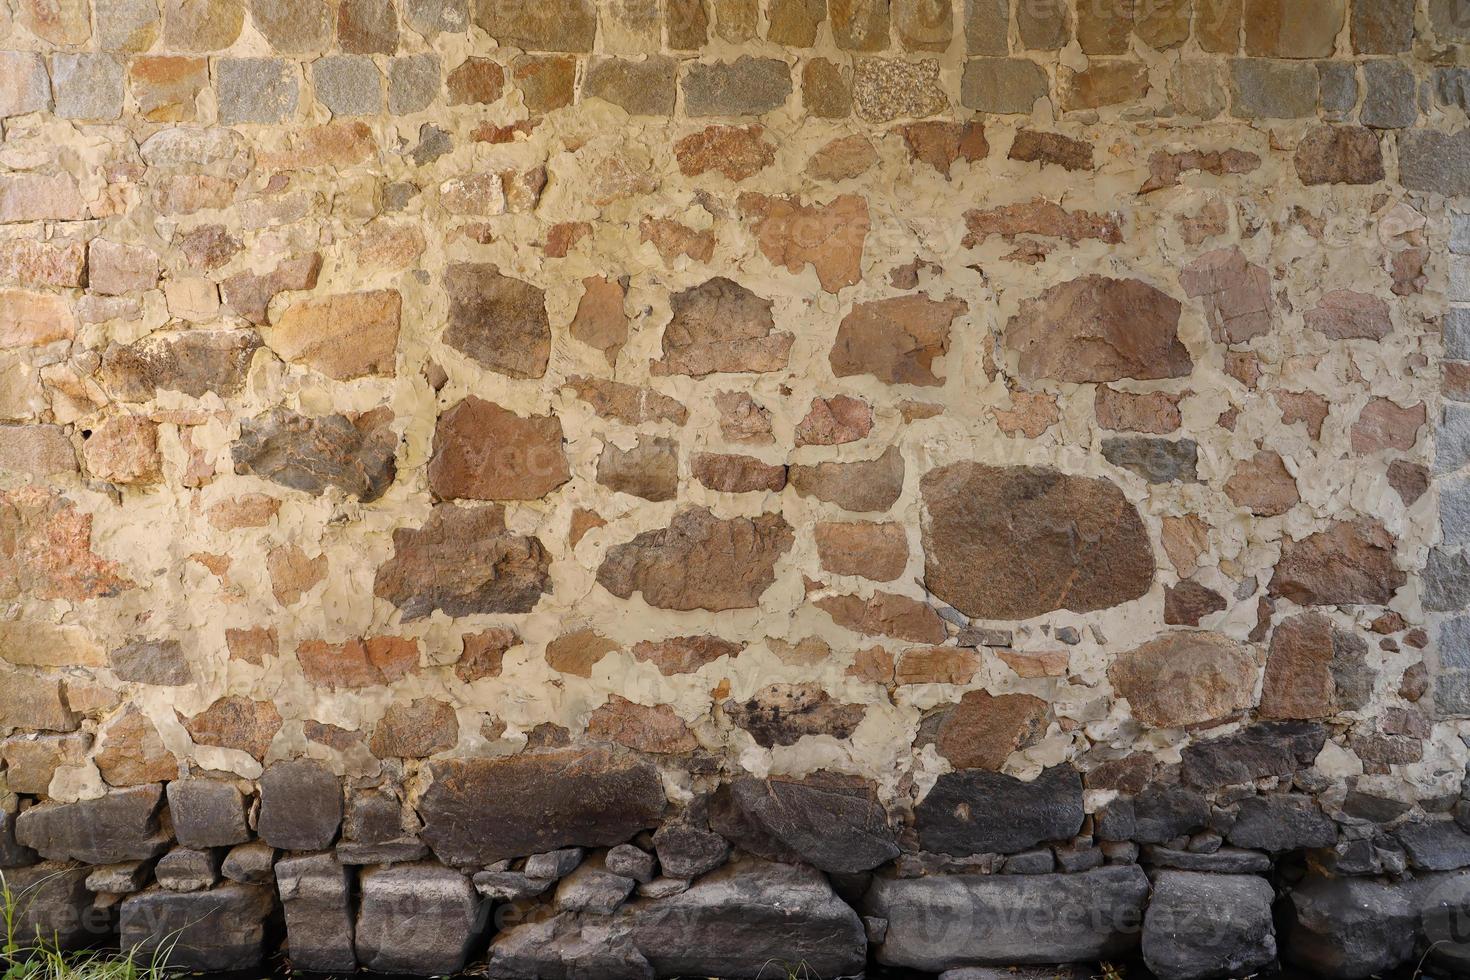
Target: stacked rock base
[805,874]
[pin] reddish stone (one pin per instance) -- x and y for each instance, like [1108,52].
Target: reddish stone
[685,654]
[1096,329]
[416,730]
[1186,678]
[35,263]
[251,646]
[937,665]
[563,236]
[983,730]
[250,295]
[34,319]
[1303,406]
[741,419]
[1189,602]
[498,321]
[843,159]
[835,421]
[1352,562]
[1339,155]
[1384,425]
[236,722]
[130,751]
[737,474]
[368,662]
[577,653]
[721,327]
[876,551]
[476,81]
[673,239]
[600,321]
[828,237]
[1347,315]
[1030,414]
[895,340]
[1409,480]
[649,470]
[1154,412]
[735,151]
[940,144]
[1299,682]
[885,614]
[1237,294]
[1263,485]
[655,729]
[1040,217]
[1031,146]
[46,551]
[863,486]
[1166,168]
[485,452]
[630,404]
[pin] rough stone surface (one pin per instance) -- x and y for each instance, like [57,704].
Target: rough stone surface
[1185,678]
[316,895]
[415,916]
[219,929]
[300,806]
[1208,925]
[973,811]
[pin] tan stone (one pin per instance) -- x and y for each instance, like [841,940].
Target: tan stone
[983,730]
[1344,314]
[1030,414]
[936,665]
[344,337]
[485,452]
[124,449]
[545,81]
[1185,539]
[368,662]
[895,340]
[649,470]
[826,87]
[735,151]
[1384,425]
[236,722]
[1186,678]
[835,421]
[1237,294]
[1154,412]
[246,510]
[416,730]
[862,486]
[655,729]
[35,643]
[794,22]
[628,403]
[885,614]
[741,419]
[202,25]
[1033,663]
[130,752]
[482,654]
[721,327]
[578,652]
[61,22]
[31,760]
[292,573]
[1287,29]
[1351,562]
[673,239]
[884,89]
[36,450]
[843,159]
[34,702]
[32,319]
[252,646]
[1095,328]
[873,665]
[1105,83]
[876,551]
[1263,485]
[828,237]
[685,654]
[33,263]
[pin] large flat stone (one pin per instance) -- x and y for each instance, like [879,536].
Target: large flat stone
[119,826]
[220,929]
[1201,926]
[52,905]
[416,918]
[975,811]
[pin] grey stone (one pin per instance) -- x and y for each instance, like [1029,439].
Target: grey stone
[388,852]
[1454,510]
[433,144]
[53,906]
[1449,20]
[432,17]
[1455,332]
[738,920]
[1227,860]
[554,864]
[312,453]
[1003,85]
[158,662]
[1452,439]
[250,864]
[119,879]
[1339,83]
[1437,846]
[663,887]
[1452,693]
[127,25]
[1038,862]
[974,811]
[376,817]
[348,84]
[1201,926]
[316,895]
[413,83]
[1376,809]
[1282,823]
[1347,927]
[1073,858]
[829,822]
[688,851]
[1446,580]
[567,947]
[1454,643]
[215,930]
[1162,813]
[207,812]
[300,805]
[592,888]
[1273,89]
[1006,920]
[475,812]
[746,86]
[1269,749]
[185,869]
[294,26]
[1435,161]
[1452,87]
[1459,233]
[639,88]
[1156,460]
[509,886]
[416,918]
[987,26]
[12,854]
[1391,100]
[255,90]
[631,861]
[121,825]
[87,86]
[28,87]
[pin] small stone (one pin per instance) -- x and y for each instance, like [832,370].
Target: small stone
[348,84]
[255,90]
[87,86]
[1185,678]
[497,320]
[982,730]
[300,805]
[631,862]
[1347,315]
[293,26]
[720,564]
[864,486]
[782,714]
[592,889]
[509,886]
[735,151]
[124,450]
[413,83]
[649,470]
[1255,752]
[1003,85]
[558,25]
[640,88]
[884,89]
[745,87]
[1384,425]
[872,550]
[477,81]
[1099,329]
[826,89]
[250,864]
[367,27]
[358,663]
[416,730]
[311,454]
[1156,460]
[1382,26]
[1282,29]
[720,326]
[184,869]
[119,879]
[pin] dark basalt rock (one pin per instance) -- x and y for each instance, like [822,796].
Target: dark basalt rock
[1437,846]
[830,822]
[120,826]
[943,922]
[1270,749]
[300,805]
[974,811]
[1201,926]
[416,918]
[1162,813]
[1282,823]
[207,813]
[53,905]
[215,930]
[479,811]
[1347,928]
[316,894]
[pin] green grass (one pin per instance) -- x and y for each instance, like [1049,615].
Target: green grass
[37,958]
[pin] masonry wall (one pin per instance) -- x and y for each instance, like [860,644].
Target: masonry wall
[913,441]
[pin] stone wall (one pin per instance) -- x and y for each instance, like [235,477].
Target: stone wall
[671,485]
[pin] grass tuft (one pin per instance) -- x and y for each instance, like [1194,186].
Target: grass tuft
[38,958]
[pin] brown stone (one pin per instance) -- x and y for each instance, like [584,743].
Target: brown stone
[843,159]
[649,470]
[1031,146]
[485,452]
[1237,294]
[368,662]
[793,23]
[1034,663]
[937,665]
[829,237]
[36,450]
[720,326]
[46,550]
[1344,314]
[940,144]
[835,421]
[206,248]
[563,236]
[475,81]
[863,486]
[685,654]
[859,25]
[1384,425]
[1263,485]
[782,714]
[826,87]
[1154,412]
[311,454]
[737,474]
[1047,540]
[482,654]
[583,520]
[31,760]
[885,614]
[192,362]
[1044,24]
[983,730]
[498,321]
[1105,83]
[1339,155]
[236,722]
[1303,406]
[347,336]
[628,403]
[124,449]
[1104,28]
[32,263]
[1096,329]
[250,295]
[873,665]
[421,728]
[130,752]
[1042,218]
[463,561]
[737,152]
[252,646]
[34,702]
[1409,480]
[742,419]
[1299,682]
[1285,29]
[34,319]
[1189,602]
[876,551]
[578,652]
[1030,414]
[895,340]
[1184,540]
[1166,168]
[1186,678]
[699,562]
[179,194]
[600,321]
[673,239]
[655,728]
[1352,562]
[923,25]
